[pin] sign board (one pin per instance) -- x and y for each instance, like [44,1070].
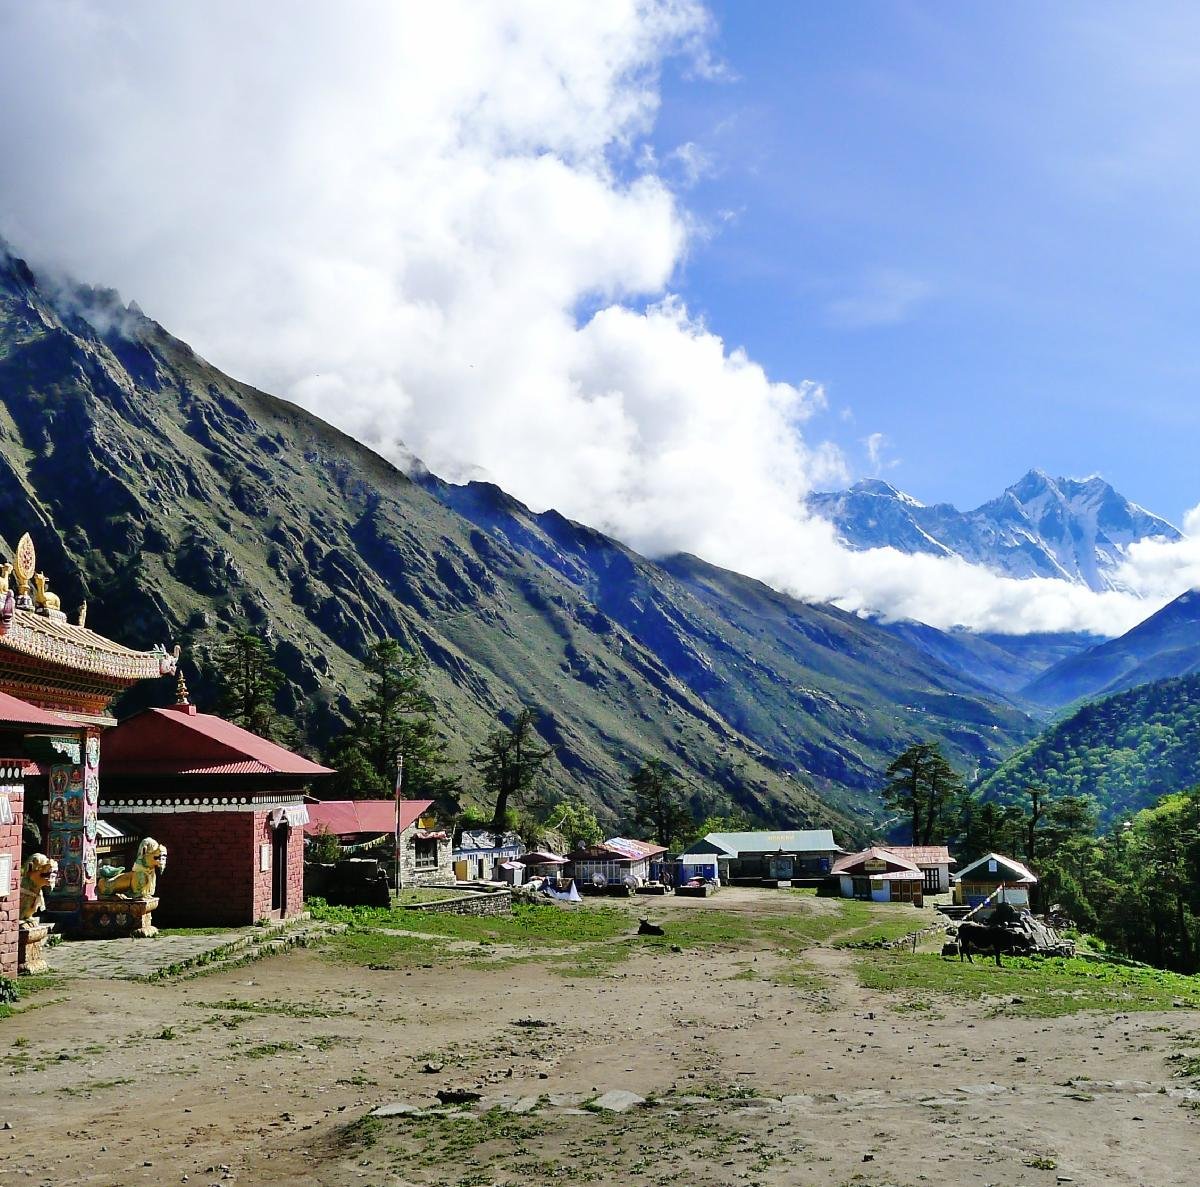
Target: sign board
[874,865]
[264,857]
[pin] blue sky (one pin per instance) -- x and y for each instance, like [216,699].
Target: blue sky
[974,224]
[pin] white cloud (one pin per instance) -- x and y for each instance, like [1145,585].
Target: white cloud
[393,215]
[876,446]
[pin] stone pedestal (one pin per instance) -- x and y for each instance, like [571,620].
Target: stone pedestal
[107,918]
[31,941]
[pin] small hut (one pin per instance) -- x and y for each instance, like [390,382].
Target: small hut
[993,874]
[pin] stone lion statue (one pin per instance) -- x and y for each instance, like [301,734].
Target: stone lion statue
[38,874]
[139,882]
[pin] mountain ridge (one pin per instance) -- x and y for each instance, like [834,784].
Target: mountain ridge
[1164,645]
[1076,530]
[181,503]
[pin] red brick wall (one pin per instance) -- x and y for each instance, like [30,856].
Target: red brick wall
[10,905]
[294,895]
[213,876]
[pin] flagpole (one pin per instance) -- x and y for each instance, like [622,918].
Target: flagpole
[399,786]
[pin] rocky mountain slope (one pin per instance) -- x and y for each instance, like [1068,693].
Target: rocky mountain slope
[1039,527]
[180,503]
[1125,750]
[1165,644]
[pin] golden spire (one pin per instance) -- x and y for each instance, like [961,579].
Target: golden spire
[181,690]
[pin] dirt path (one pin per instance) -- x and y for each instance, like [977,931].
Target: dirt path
[261,1074]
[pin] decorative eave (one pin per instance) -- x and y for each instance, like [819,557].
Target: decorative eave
[164,805]
[67,667]
[58,664]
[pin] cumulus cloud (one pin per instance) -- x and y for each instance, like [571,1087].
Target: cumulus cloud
[440,228]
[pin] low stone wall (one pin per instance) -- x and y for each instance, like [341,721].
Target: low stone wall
[495,902]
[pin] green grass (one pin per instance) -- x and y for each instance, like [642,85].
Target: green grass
[1045,987]
[274,1006]
[595,939]
[197,931]
[529,925]
[27,988]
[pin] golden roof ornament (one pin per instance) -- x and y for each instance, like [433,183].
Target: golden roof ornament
[24,567]
[181,691]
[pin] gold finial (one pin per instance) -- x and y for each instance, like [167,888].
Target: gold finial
[181,691]
[24,564]
[81,618]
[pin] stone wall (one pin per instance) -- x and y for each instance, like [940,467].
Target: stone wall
[497,902]
[10,903]
[412,874]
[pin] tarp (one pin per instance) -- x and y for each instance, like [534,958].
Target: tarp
[570,895]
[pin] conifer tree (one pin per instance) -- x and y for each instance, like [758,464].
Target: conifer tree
[396,717]
[509,761]
[926,788]
[656,802]
[247,682]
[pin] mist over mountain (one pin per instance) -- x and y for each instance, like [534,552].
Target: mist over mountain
[181,503]
[1076,530]
[1166,644]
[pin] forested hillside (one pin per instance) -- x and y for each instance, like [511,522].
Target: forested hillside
[184,506]
[1126,750]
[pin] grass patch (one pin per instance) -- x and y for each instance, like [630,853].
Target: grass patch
[26,989]
[287,1009]
[198,931]
[529,925]
[1044,987]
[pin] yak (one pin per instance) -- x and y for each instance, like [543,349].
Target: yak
[989,938]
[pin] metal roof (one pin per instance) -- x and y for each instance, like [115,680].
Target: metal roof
[1004,866]
[181,741]
[811,840]
[923,855]
[845,864]
[347,818]
[20,716]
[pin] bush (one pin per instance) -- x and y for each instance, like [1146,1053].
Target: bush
[9,992]
[324,848]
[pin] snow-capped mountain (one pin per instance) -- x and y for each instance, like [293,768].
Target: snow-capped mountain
[1068,528]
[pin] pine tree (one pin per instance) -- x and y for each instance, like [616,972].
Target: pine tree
[396,717]
[247,681]
[509,761]
[656,802]
[926,788]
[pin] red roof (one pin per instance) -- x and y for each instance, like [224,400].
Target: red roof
[892,860]
[347,818]
[924,855]
[180,741]
[20,716]
[618,849]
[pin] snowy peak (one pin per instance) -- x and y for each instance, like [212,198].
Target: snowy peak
[1073,529]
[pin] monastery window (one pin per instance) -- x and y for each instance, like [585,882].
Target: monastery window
[425,853]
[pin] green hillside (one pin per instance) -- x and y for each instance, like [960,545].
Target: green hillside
[182,504]
[1126,750]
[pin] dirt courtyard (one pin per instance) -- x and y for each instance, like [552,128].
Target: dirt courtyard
[755,1067]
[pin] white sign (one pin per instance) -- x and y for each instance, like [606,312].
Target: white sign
[6,866]
[264,857]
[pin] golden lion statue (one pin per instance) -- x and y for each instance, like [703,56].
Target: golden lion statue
[138,883]
[38,875]
[43,599]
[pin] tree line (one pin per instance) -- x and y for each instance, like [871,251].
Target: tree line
[1134,885]
[396,720]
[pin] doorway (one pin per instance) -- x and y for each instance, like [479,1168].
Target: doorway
[279,868]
